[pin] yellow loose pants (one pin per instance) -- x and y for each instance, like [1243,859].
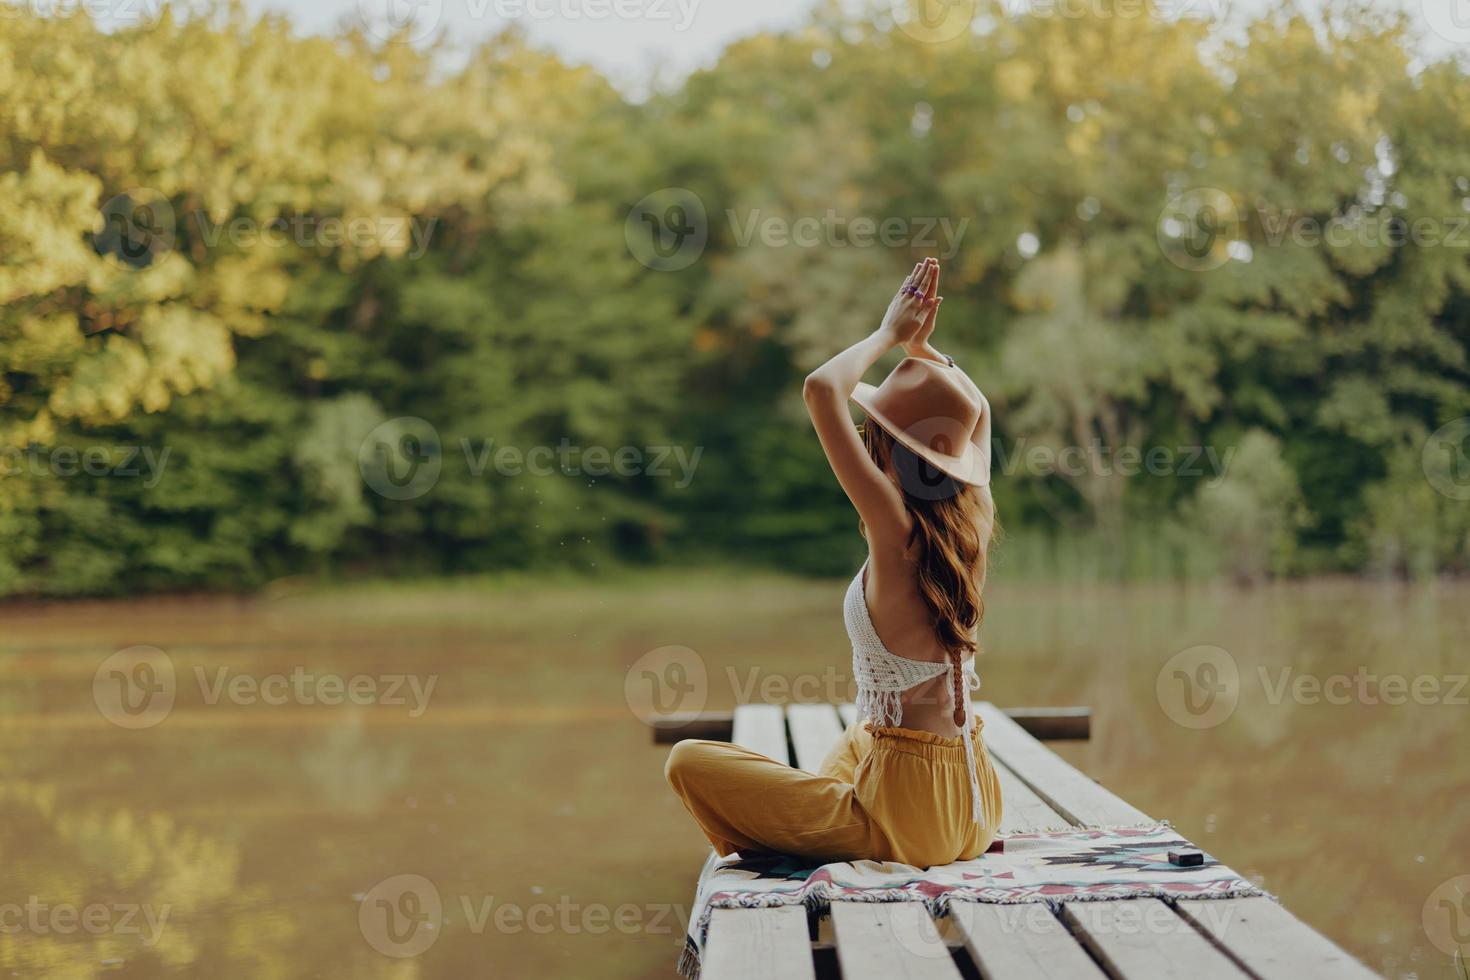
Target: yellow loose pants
[882,794]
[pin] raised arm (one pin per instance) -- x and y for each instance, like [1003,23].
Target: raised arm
[908,322]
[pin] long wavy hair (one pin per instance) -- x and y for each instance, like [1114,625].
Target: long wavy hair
[954,526]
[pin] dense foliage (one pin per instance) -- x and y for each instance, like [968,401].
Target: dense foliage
[275,304]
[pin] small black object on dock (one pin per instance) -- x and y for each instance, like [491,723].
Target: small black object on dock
[1187,857]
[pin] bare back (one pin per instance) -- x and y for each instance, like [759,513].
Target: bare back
[906,627]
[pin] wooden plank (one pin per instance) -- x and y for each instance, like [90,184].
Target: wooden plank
[1054,724]
[678,725]
[1269,941]
[1044,723]
[1145,939]
[762,728]
[1022,810]
[848,713]
[1019,942]
[754,944]
[883,941]
[1065,788]
[814,730]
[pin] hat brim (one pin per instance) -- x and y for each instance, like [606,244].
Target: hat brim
[970,466]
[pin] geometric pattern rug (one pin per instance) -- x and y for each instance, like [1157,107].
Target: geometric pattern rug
[1052,867]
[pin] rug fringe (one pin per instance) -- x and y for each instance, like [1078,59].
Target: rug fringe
[1069,829]
[689,961]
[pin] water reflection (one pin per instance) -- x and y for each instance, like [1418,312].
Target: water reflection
[527,794]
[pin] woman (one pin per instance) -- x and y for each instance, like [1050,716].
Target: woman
[910,781]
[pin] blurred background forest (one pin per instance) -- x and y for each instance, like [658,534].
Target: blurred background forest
[199,373]
[284,306]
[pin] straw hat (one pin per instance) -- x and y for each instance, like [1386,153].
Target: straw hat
[936,411]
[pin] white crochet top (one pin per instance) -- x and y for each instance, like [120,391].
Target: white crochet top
[882,676]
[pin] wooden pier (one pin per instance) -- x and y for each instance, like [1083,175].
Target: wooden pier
[1131,938]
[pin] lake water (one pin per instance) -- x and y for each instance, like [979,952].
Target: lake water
[214,801]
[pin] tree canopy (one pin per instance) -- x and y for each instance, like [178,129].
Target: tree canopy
[273,304]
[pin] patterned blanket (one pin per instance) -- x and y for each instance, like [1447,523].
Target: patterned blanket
[1053,867]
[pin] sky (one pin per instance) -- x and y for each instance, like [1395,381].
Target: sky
[626,39]
[629,40]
